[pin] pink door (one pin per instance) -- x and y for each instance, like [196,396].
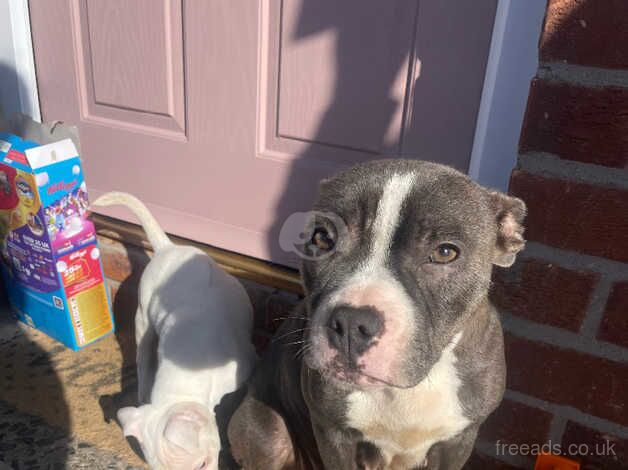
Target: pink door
[222,115]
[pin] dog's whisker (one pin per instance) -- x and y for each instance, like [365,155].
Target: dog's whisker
[285,335]
[298,330]
[293,317]
[303,350]
[306,350]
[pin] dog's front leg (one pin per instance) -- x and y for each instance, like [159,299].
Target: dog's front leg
[453,454]
[343,449]
[336,447]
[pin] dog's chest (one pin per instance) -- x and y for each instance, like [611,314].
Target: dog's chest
[405,423]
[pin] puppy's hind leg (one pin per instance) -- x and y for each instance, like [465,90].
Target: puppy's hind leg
[146,357]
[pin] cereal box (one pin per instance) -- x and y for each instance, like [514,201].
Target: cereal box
[50,261]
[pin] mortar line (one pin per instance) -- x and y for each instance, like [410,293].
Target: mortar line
[557,429]
[551,165]
[582,75]
[561,338]
[595,311]
[614,270]
[569,413]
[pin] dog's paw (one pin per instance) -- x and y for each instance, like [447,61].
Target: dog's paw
[369,457]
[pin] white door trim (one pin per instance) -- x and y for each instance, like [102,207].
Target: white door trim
[23,58]
[512,62]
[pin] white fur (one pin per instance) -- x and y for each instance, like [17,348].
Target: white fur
[430,412]
[387,218]
[197,319]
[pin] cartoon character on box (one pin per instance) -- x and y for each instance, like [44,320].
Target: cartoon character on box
[68,206]
[5,221]
[8,197]
[59,218]
[5,185]
[50,219]
[24,191]
[72,218]
[35,225]
[77,203]
[81,198]
[8,203]
[16,220]
[24,205]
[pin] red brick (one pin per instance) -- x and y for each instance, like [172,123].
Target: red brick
[591,384]
[614,326]
[515,423]
[574,216]
[479,461]
[122,260]
[577,123]
[543,292]
[598,450]
[586,32]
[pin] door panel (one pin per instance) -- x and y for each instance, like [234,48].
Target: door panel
[129,52]
[222,115]
[449,71]
[130,64]
[338,57]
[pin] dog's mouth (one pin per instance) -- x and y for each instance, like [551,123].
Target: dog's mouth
[339,371]
[354,378]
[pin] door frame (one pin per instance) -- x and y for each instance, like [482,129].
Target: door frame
[21,56]
[512,63]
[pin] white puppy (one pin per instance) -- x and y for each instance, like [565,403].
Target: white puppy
[193,328]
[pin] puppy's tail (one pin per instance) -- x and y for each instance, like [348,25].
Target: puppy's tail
[155,234]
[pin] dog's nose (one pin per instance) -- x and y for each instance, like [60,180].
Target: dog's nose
[351,330]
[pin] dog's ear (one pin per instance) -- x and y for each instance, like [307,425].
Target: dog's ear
[509,214]
[130,419]
[183,428]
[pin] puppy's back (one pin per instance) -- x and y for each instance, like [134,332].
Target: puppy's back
[203,318]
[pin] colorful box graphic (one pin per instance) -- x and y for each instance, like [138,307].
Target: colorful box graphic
[51,263]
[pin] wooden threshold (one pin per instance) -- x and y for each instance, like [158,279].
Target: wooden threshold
[245,267]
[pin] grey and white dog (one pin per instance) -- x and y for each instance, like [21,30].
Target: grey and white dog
[395,356]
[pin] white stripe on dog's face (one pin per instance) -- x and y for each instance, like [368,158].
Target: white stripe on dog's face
[387,218]
[374,285]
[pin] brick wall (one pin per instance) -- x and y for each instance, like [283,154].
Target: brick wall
[565,302]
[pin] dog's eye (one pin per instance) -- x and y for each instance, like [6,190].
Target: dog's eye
[444,253]
[322,240]
[201,466]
